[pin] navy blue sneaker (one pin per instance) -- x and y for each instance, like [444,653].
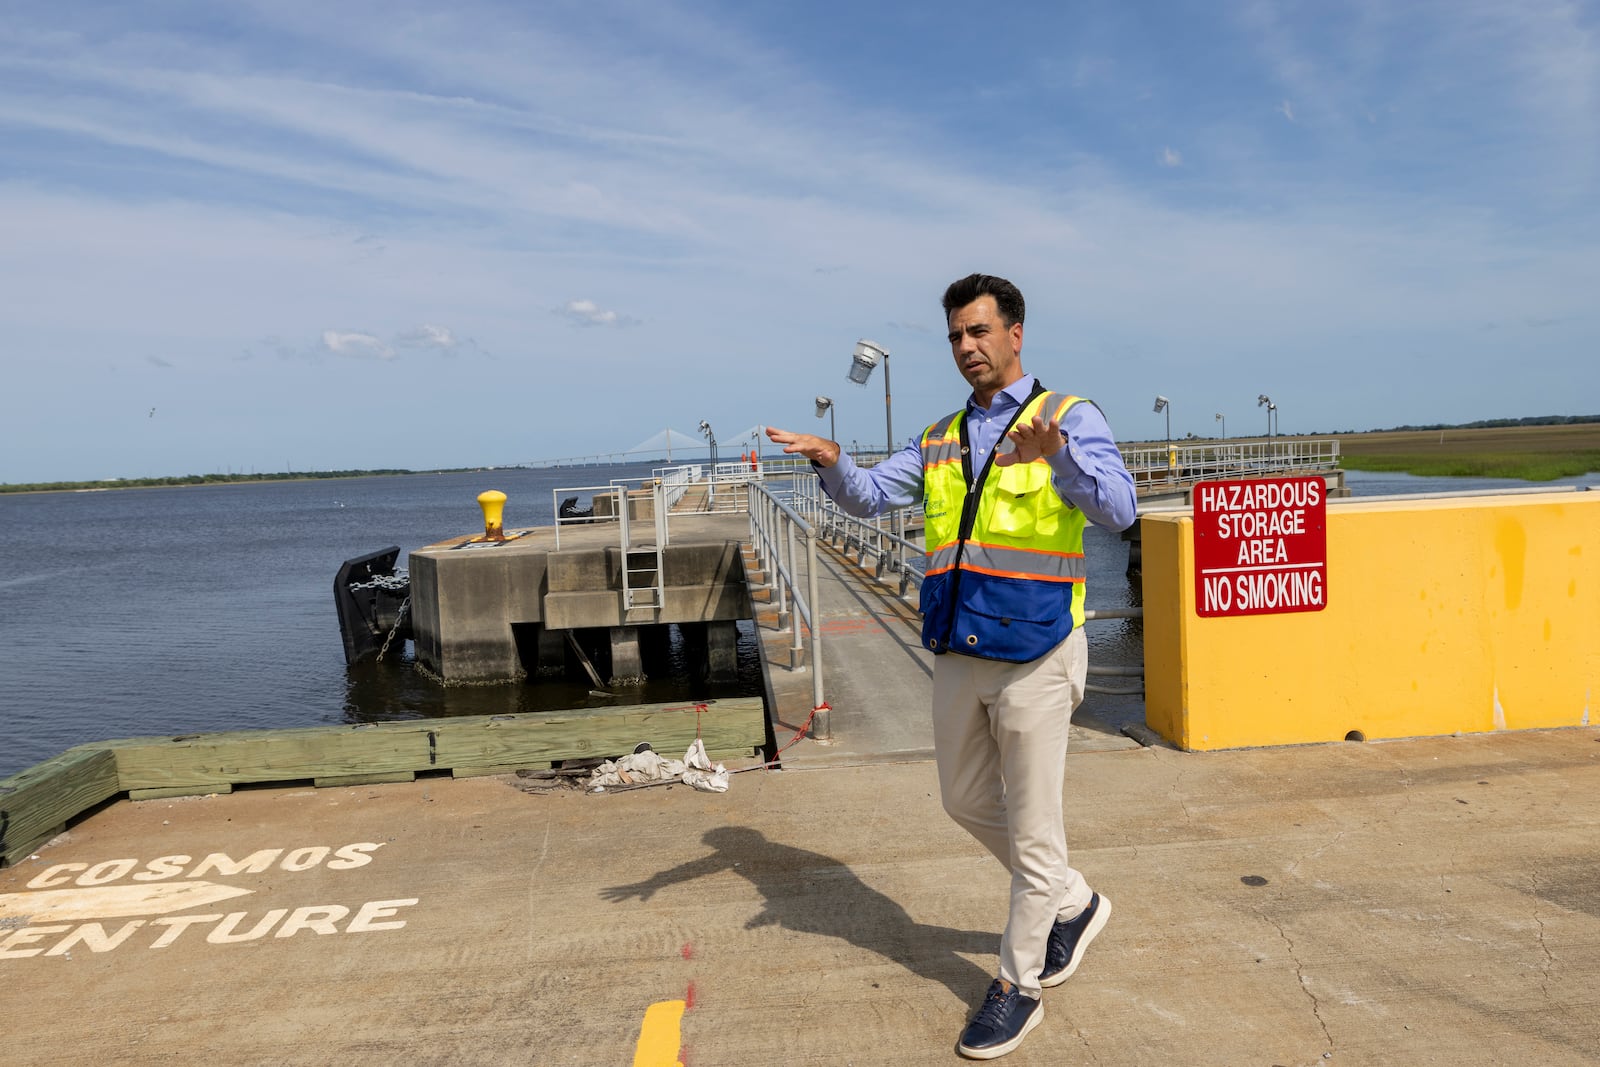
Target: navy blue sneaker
[1001,1023]
[1068,940]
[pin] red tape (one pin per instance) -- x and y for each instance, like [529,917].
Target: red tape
[803,728]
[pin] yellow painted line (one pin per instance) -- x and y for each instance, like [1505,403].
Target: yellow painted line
[660,1038]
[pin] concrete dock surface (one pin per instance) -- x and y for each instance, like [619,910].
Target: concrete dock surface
[1412,902]
[1408,902]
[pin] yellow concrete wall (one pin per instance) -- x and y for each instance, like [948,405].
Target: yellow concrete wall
[1469,614]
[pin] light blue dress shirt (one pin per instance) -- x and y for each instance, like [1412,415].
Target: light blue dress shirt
[1088,473]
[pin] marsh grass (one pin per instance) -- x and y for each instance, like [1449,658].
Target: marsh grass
[1528,468]
[1533,453]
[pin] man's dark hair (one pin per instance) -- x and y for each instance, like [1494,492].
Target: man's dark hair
[1007,297]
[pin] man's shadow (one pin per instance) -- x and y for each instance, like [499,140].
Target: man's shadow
[815,894]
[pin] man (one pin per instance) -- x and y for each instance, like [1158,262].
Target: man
[1007,484]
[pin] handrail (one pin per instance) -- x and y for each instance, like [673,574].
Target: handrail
[774,527]
[896,554]
[616,493]
[882,539]
[675,481]
[667,486]
[1176,464]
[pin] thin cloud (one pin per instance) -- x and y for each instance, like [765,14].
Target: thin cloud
[1286,109]
[428,336]
[355,345]
[1171,157]
[588,313]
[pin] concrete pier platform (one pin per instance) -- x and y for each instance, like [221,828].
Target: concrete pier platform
[470,598]
[1415,902]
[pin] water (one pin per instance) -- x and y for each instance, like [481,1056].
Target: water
[168,611]
[1378,483]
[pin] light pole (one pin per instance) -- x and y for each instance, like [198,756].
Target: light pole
[1266,401]
[705,429]
[1224,420]
[825,403]
[862,360]
[1163,405]
[711,484]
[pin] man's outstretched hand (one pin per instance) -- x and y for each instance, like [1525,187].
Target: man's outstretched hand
[1036,440]
[819,450]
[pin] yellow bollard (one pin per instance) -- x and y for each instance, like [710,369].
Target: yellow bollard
[493,503]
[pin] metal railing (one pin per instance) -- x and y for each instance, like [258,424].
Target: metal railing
[615,496]
[775,527]
[725,485]
[883,541]
[675,481]
[1176,464]
[664,488]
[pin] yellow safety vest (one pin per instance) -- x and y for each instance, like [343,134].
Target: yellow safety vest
[1005,574]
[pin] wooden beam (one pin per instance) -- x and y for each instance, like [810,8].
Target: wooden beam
[242,756]
[200,789]
[735,726]
[388,751]
[36,803]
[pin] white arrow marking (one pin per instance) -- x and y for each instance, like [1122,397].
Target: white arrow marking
[113,901]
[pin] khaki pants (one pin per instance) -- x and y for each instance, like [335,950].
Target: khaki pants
[1000,738]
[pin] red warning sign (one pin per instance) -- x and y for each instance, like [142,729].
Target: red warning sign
[1260,546]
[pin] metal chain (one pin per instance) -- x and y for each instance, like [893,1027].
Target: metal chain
[398,619]
[397,580]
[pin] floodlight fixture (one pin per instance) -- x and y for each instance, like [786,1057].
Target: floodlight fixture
[866,356]
[1162,404]
[1266,401]
[864,360]
[1224,420]
[825,404]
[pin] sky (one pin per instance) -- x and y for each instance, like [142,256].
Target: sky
[267,236]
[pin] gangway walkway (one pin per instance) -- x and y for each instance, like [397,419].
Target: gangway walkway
[879,679]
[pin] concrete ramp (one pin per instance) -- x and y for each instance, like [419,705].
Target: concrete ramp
[877,677]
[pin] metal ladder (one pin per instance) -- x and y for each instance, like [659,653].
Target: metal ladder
[642,584]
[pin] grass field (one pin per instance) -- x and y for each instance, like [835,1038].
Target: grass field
[1536,453]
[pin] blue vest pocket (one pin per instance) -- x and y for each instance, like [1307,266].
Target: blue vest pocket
[1009,619]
